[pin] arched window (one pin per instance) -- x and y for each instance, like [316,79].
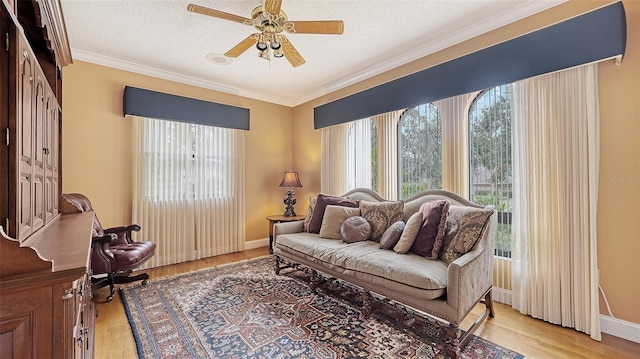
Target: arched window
[419,150]
[490,167]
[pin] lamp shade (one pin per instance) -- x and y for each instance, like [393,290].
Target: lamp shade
[290,179]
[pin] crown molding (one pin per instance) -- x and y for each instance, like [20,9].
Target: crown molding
[171,76]
[526,9]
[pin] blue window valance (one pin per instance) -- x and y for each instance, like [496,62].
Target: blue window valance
[162,106]
[597,35]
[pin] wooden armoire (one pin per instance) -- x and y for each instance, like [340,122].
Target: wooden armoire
[45,288]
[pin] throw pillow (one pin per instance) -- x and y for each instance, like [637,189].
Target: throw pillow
[381,215]
[355,229]
[333,218]
[434,220]
[392,235]
[464,228]
[322,202]
[409,233]
[307,219]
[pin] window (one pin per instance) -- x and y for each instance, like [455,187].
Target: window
[184,161]
[361,147]
[419,150]
[188,190]
[490,167]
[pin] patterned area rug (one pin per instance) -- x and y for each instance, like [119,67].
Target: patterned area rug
[245,310]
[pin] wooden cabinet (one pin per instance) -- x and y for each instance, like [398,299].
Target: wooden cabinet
[37,132]
[46,308]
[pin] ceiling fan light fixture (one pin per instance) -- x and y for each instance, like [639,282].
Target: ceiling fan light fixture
[271,21]
[264,54]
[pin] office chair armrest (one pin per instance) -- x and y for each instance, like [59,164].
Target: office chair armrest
[124,233]
[108,239]
[102,259]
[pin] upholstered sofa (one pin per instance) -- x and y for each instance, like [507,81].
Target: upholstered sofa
[445,291]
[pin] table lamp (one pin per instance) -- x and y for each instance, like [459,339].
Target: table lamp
[290,180]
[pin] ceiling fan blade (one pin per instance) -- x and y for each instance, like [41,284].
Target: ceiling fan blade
[273,6]
[291,53]
[243,46]
[219,14]
[335,27]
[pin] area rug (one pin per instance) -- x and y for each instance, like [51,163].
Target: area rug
[245,310]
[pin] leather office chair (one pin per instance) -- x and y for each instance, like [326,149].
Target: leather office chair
[113,251]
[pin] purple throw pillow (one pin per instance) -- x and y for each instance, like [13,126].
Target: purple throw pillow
[355,229]
[391,236]
[321,204]
[434,214]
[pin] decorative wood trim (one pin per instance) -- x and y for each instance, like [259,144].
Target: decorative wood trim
[56,29]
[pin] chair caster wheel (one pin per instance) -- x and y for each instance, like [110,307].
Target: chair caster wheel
[109,298]
[144,282]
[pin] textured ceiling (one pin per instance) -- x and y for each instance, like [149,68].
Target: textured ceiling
[162,39]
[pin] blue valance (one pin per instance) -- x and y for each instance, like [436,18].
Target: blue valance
[590,37]
[162,106]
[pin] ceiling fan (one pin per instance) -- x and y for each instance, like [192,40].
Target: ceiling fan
[271,21]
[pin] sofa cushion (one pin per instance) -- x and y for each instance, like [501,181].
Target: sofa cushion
[409,233]
[355,229]
[366,257]
[392,235]
[333,218]
[307,219]
[322,202]
[464,228]
[381,215]
[434,220]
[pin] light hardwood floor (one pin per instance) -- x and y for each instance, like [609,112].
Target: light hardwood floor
[530,337]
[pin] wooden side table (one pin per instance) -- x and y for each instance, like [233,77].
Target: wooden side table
[278,219]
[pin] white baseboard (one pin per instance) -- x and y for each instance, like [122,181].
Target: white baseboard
[256,243]
[501,295]
[620,328]
[609,325]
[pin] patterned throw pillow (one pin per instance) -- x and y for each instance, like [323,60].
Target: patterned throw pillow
[409,233]
[381,215]
[464,229]
[355,229]
[391,236]
[307,219]
[333,218]
[322,202]
[431,233]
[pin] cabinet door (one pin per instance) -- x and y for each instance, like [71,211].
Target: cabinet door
[26,324]
[41,100]
[24,145]
[51,137]
[5,112]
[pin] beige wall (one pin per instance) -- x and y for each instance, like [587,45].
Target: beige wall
[97,144]
[619,191]
[96,152]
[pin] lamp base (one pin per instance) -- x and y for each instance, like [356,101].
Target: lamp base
[289,201]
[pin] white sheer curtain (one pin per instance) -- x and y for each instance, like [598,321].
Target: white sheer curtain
[188,193]
[346,157]
[555,149]
[387,127]
[454,112]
